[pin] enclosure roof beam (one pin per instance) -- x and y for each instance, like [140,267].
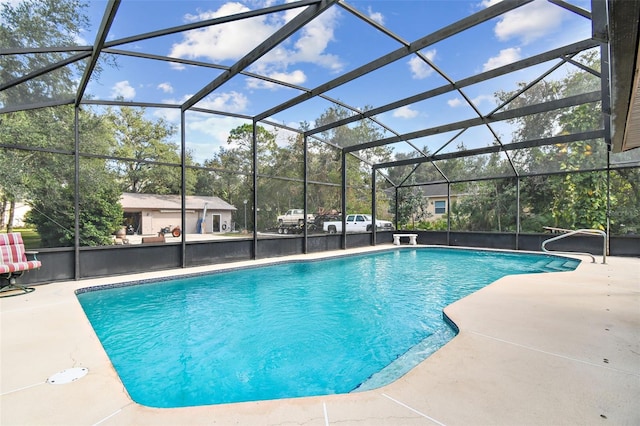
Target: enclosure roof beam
[561,139]
[371,22]
[44,70]
[130,104]
[439,35]
[101,36]
[210,22]
[54,49]
[575,9]
[472,122]
[37,105]
[163,105]
[245,73]
[310,13]
[570,49]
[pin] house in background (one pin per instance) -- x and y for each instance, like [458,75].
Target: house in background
[436,200]
[149,213]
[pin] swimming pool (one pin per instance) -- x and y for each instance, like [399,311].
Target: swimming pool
[292,329]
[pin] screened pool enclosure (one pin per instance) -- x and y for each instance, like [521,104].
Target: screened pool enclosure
[479,123]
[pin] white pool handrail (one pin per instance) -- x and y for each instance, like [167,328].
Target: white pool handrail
[569,233]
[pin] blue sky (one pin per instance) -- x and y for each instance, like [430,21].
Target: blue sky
[330,45]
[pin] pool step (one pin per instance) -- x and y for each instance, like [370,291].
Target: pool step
[556,265]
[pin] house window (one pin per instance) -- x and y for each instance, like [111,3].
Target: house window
[441,207]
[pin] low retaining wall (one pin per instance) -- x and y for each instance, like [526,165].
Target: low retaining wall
[59,264]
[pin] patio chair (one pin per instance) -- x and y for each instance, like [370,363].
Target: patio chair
[14,262]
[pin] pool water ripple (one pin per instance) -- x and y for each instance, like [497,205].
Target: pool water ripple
[289,330]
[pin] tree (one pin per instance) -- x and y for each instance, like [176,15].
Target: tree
[11,188]
[358,171]
[40,170]
[52,206]
[24,24]
[39,23]
[571,200]
[625,190]
[412,207]
[46,180]
[150,162]
[229,175]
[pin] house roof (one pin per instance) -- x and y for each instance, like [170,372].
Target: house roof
[437,190]
[170,202]
[433,190]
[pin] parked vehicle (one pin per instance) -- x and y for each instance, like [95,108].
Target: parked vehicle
[357,223]
[320,219]
[294,217]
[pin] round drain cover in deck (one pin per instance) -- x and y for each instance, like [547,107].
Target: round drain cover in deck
[67,376]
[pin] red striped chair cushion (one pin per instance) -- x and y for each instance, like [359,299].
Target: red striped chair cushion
[13,257]
[19,266]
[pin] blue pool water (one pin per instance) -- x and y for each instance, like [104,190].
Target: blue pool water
[292,329]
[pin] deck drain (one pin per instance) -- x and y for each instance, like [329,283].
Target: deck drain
[67,376]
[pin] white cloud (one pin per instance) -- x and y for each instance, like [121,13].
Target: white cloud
[177,66]
[222,42]
[506,56]
[419,68]
[228,102]
[166,87]
[487,3]
[230,42]
[482,98]
[457,102]
[314,40]
[529,22]
[217,128]
[123,89]
[297,77]
[207,132]
[376,16]
[405,112]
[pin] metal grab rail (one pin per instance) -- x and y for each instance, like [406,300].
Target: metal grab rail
[569,233]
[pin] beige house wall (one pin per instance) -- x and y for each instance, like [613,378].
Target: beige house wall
[152,221]
[431,207]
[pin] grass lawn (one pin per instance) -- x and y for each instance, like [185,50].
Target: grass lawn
[30,237]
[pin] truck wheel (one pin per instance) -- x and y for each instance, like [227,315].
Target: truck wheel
[300,222]
[279,230]
[332,229]
[285,230]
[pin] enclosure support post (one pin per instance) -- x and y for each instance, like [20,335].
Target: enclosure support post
[608,199]
[396,208]
[76,200]
[373,206]
[305,190]
[254,170]
[448,213]
[517,212]
[344,199]
[600,32]
[183,185]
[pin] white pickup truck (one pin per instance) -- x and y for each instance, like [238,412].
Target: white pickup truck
[357,223]
[294,217]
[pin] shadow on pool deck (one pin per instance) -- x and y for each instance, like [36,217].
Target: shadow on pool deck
[544,349]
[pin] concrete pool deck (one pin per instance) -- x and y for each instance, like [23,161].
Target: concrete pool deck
[542,349]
